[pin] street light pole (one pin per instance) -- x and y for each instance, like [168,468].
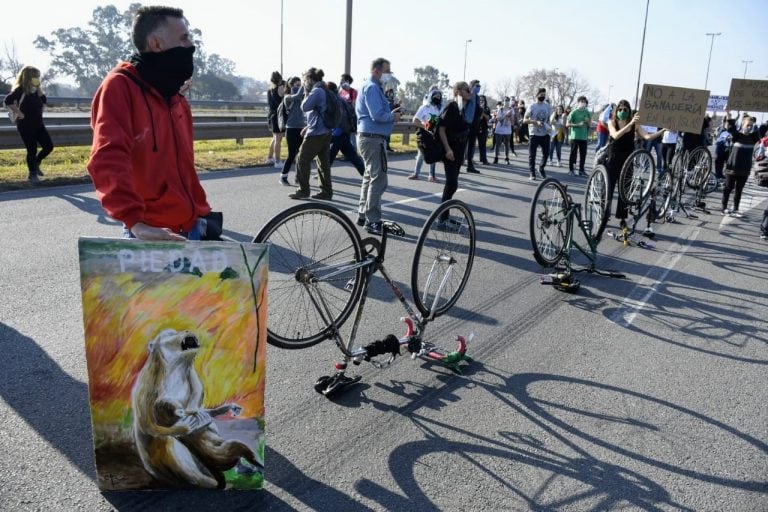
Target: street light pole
[466,44]
[709,60]
[282,4]
[746,63]
[642,49]
[348,48]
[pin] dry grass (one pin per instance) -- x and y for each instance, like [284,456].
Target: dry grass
[67,164]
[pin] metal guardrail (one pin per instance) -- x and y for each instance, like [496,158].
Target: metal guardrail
[82,135]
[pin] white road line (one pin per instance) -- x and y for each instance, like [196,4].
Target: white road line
[412,199]
[629,308]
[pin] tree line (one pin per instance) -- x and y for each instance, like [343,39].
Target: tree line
[86,54]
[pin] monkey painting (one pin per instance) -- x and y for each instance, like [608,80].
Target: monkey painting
[176,438]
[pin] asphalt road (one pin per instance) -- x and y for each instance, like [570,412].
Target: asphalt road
[645,393]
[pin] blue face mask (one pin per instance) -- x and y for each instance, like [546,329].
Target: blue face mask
[476,89]
[295,89]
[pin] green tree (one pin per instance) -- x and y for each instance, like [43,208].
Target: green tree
[88,53]
[413,93]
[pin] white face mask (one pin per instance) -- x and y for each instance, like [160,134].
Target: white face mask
[582,104]
[460,101]
[385,78]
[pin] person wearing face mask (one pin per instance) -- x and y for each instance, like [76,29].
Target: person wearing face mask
[432,107]
[317,139]
[505,118]
[374,124]
[482,131]
[623,131]
[142,159]
[294,124]
[578,123]
[473,113]
[557,134]
[739,163]
[274,97]
[537,118]
[26,101]
[453,131]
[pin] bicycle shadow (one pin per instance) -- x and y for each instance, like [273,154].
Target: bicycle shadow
[604,485]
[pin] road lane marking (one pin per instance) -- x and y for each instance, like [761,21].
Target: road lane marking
[630,307]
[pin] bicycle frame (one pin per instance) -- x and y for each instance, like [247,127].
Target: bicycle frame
[415,323]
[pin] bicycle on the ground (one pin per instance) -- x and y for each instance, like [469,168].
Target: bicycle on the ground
[320,270]
[552,217]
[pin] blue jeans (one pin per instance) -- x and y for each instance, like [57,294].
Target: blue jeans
[192,234]
[344,144]
[536,141]
[655,146]
[419,163]
[602,140]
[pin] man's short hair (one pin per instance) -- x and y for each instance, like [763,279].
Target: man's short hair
[541,90]
[148,19]
[379,63]
[346,77]
[582,98]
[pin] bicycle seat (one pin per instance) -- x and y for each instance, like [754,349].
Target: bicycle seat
[393,228]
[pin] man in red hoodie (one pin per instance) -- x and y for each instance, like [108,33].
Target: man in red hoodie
[142,158]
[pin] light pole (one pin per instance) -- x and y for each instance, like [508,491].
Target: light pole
[713,35]
[746,63]
[642,49]
[466,44]
[348,47]
[282,4]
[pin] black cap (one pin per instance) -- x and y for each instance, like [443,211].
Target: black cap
[541,90]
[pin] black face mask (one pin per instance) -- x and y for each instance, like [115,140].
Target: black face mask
[166,71]
[541,98]
[437,101]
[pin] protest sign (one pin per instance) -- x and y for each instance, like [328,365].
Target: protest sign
[674,108]
[175,337]
[748,95]
[717,103]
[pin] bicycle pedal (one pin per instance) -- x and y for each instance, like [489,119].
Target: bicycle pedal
[350,285]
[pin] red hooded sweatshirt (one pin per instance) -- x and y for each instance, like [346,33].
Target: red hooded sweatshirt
[142,158]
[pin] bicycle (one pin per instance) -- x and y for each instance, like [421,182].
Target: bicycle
[320,271]
[553,214]
[690,182]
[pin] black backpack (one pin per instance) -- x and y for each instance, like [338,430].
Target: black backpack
[429,143]
[348,118]
[332,115]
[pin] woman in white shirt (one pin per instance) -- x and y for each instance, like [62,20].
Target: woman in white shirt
[505,119]
[432,107]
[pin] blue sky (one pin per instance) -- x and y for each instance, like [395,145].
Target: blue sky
[600,39]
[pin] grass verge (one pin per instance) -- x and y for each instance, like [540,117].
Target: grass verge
[66,165]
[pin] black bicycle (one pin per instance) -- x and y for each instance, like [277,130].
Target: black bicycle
[320,270]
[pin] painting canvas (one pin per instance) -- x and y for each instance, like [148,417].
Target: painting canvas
[175,339]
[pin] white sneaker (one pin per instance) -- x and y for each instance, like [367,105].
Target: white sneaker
[735,213]
[270,161]
[726,211]
[278,164]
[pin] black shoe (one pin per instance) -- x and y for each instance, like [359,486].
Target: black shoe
[361,219]
[473,171]
[284,180]
[323,196]
[622,224]
[299,195]
[484,162]
[33,179]
[373,228]
[39,172]
[582,173]
[495,161]
[507,161]
[543,174]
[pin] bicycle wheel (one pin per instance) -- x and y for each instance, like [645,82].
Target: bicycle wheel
[698,168]
[637,177]
[550,224]
[664,193]
[311,246]
[443,258]
[595,202]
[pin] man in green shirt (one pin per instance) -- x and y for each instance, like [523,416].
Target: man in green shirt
[578,121]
